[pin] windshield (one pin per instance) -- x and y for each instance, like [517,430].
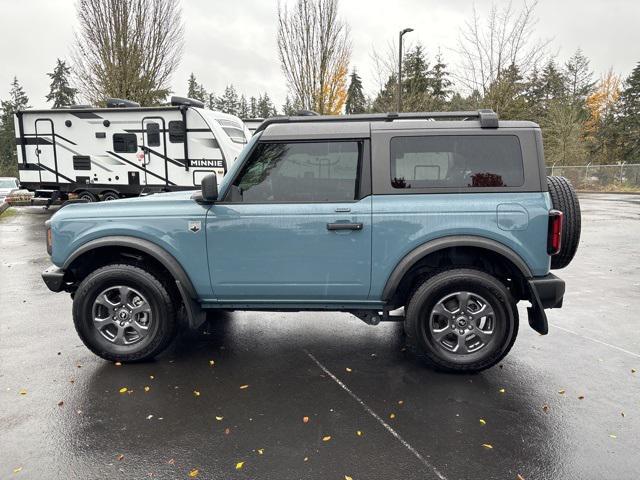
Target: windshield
[8,183]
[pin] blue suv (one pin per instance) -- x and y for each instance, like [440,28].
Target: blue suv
[444,221]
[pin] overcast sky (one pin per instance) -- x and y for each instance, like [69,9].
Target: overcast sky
[234,41]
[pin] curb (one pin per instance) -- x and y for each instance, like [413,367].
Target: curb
[3,206]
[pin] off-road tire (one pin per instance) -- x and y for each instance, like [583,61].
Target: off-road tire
[425,297]
[564,198]
[156,294]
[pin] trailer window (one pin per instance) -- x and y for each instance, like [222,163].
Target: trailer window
[153,135]
[125,143]
[176,131]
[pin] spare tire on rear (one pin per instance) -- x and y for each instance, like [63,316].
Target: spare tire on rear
[564,198]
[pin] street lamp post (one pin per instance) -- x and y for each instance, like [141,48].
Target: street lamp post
[402,32]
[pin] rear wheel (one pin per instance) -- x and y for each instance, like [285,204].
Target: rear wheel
[461,320]
[87,196]
[124,313]
[109,196]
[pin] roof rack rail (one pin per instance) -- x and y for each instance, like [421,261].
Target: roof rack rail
[121,103]
[488,118]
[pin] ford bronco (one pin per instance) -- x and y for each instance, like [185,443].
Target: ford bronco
[442,220]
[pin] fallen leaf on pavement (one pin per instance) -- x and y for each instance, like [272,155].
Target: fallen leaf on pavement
[212,362]
[502,390]
[483,421]
[359,433]
[227,431]
[242,387]
[117,364]
[326,438]
[17,470]
[60,403]
[348,370]
[622,413]
[392,416]
[22,391]
[519,477]
[633,370]
[581,397]
[151,377]
[260,451]
[305,419]
[149,417]
[239,465]
[196,393]
[194,473]
[400,402]
[487,446]
[561,392]
[612,435]
[171,461]
[120,457]
[306,459]
[146,389]
[545,408]
[347,477]
[123,390]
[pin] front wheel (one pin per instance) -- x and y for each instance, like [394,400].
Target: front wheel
[124,313]
[461,320]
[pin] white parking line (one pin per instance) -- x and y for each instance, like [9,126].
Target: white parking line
[628,352]
[377,417]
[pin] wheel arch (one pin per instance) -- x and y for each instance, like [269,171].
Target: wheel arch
[452,243]
[145,247]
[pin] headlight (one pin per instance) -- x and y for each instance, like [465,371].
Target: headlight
[49,246]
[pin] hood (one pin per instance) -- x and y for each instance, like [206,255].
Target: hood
[159,204]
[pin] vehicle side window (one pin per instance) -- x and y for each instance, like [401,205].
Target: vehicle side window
[457,161]
[153,135]
[176,131]
[125,143]
[324,171]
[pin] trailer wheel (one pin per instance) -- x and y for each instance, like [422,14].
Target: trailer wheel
[87,196]
[108,196]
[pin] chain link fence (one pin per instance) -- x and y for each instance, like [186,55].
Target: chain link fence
[606,178]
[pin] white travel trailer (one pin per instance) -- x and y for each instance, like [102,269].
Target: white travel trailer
[124,149]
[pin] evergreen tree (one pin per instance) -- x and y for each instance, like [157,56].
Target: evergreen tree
[629,117]
[60,91]
[440,83]
[356,102]
[578,77]
[18,100]
[253,108]
[288,108]
[265,107]
[229,101]
[196,90]
[386,99]
[416,82]
[243,107]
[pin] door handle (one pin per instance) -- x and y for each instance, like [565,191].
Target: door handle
[344,226]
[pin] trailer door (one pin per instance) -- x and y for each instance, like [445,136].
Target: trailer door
[46,150]
[155,147]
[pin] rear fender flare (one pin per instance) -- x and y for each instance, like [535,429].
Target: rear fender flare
[446,242]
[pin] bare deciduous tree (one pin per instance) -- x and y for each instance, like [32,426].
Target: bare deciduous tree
[127,48]
[314,49]
[503,40]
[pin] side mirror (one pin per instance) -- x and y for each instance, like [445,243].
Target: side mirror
[209,188]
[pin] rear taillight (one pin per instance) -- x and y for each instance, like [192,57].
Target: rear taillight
[554,235]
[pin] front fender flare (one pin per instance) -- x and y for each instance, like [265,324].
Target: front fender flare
[446,242]
[145,246]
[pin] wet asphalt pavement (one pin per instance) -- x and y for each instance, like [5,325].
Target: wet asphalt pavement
[561,406]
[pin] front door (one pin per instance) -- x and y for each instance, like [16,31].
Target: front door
[45,149]
[155,151]
[295,226]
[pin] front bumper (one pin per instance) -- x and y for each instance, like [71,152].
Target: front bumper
[54,278]
[545,292]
